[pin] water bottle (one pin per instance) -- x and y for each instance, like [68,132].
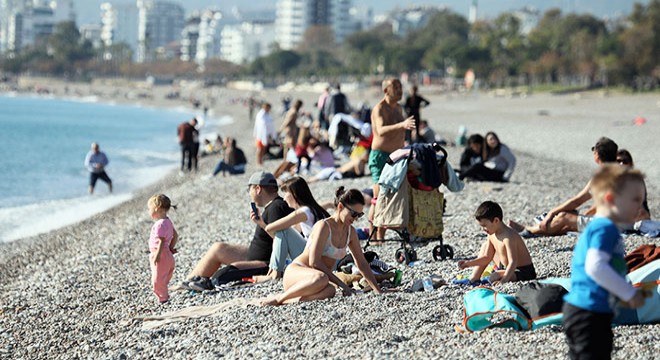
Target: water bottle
[428,283]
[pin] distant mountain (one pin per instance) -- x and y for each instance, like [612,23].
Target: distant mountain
[88,10]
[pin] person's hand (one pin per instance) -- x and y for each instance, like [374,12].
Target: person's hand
[636,301]
[543,225]
[461,264]
[409,123]
[157,259]
[174,250]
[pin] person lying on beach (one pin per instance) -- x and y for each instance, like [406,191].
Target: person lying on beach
[310,277]
[263,188]
[565,218]
[497,165]
[503,246]
[291,232]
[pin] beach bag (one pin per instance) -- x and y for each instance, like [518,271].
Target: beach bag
[231,273]
[485,308]
[426,208]
[538,299]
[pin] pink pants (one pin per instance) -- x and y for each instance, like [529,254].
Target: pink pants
[161,273]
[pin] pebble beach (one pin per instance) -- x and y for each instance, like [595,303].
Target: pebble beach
[81,291]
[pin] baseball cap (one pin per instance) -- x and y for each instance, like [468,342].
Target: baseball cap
[262,178]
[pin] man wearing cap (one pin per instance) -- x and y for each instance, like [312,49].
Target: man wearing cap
[252,259]
[565,218]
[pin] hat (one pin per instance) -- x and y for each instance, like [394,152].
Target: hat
[606,147]
[262,178]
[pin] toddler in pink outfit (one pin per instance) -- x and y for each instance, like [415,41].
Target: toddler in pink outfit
[162,242]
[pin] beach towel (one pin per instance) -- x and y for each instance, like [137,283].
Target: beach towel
[642,256]
[195,312]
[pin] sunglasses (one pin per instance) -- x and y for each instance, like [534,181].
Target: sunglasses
[354,214]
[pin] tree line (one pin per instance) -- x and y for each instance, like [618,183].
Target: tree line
[568,49]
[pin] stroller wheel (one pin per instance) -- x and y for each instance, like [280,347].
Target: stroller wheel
[449,251]
[400,255]
[438,253]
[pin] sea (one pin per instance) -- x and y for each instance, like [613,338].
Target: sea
[43,182]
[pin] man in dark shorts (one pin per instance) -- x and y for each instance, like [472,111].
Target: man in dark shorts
[187,134]
[95,162]
[262,188]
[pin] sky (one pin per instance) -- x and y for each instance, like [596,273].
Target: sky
[88,10]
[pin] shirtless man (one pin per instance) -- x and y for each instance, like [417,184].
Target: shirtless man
[565,218]
[389,130]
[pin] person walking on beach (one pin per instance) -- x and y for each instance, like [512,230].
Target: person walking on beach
[186,132]
[162,245]
[598,268]
[413,103]
[264,132]
[95,162]
[389,130]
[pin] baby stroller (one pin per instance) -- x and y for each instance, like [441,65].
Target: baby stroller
[411,208]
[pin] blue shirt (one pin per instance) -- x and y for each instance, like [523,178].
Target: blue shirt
[93,158]
[601,234]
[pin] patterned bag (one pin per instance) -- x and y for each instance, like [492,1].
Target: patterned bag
[426,208]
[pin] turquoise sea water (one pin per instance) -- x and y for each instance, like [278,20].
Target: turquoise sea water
[43,183]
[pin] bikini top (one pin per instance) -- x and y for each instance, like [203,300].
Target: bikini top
[333,252]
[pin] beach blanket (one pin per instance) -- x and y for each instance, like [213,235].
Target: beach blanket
[195,312]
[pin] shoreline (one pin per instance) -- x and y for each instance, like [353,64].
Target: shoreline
[77,291]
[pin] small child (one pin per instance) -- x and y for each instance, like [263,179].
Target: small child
[162,245]
[598,266]
[503,245]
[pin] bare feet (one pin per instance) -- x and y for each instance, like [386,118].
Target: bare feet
[515,226]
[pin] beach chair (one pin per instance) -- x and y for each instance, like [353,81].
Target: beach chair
[414,214]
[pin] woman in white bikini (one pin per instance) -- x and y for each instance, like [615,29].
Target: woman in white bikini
[310,274]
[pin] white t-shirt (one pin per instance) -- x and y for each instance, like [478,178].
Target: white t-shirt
[306,226]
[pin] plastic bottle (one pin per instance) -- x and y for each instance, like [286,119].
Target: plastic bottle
[428,283]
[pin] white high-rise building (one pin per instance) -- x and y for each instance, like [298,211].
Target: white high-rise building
[159,23]
[119,24]
[22,22]
[208,42]
[245,42]
[294,17]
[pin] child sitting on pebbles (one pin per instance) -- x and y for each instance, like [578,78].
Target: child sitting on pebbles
[162,243]
[504,246]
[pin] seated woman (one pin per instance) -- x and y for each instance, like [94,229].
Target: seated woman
[472,153]
[310,274]
[498,162]
[233,161]
[287,241]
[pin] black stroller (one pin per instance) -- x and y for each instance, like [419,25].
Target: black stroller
[414,214]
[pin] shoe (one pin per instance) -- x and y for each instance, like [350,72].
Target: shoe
[202,284]
[380,266]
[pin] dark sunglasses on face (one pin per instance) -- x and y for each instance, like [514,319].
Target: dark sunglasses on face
[354,214]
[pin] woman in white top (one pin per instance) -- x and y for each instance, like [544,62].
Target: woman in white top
[310,275]
[291,232]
